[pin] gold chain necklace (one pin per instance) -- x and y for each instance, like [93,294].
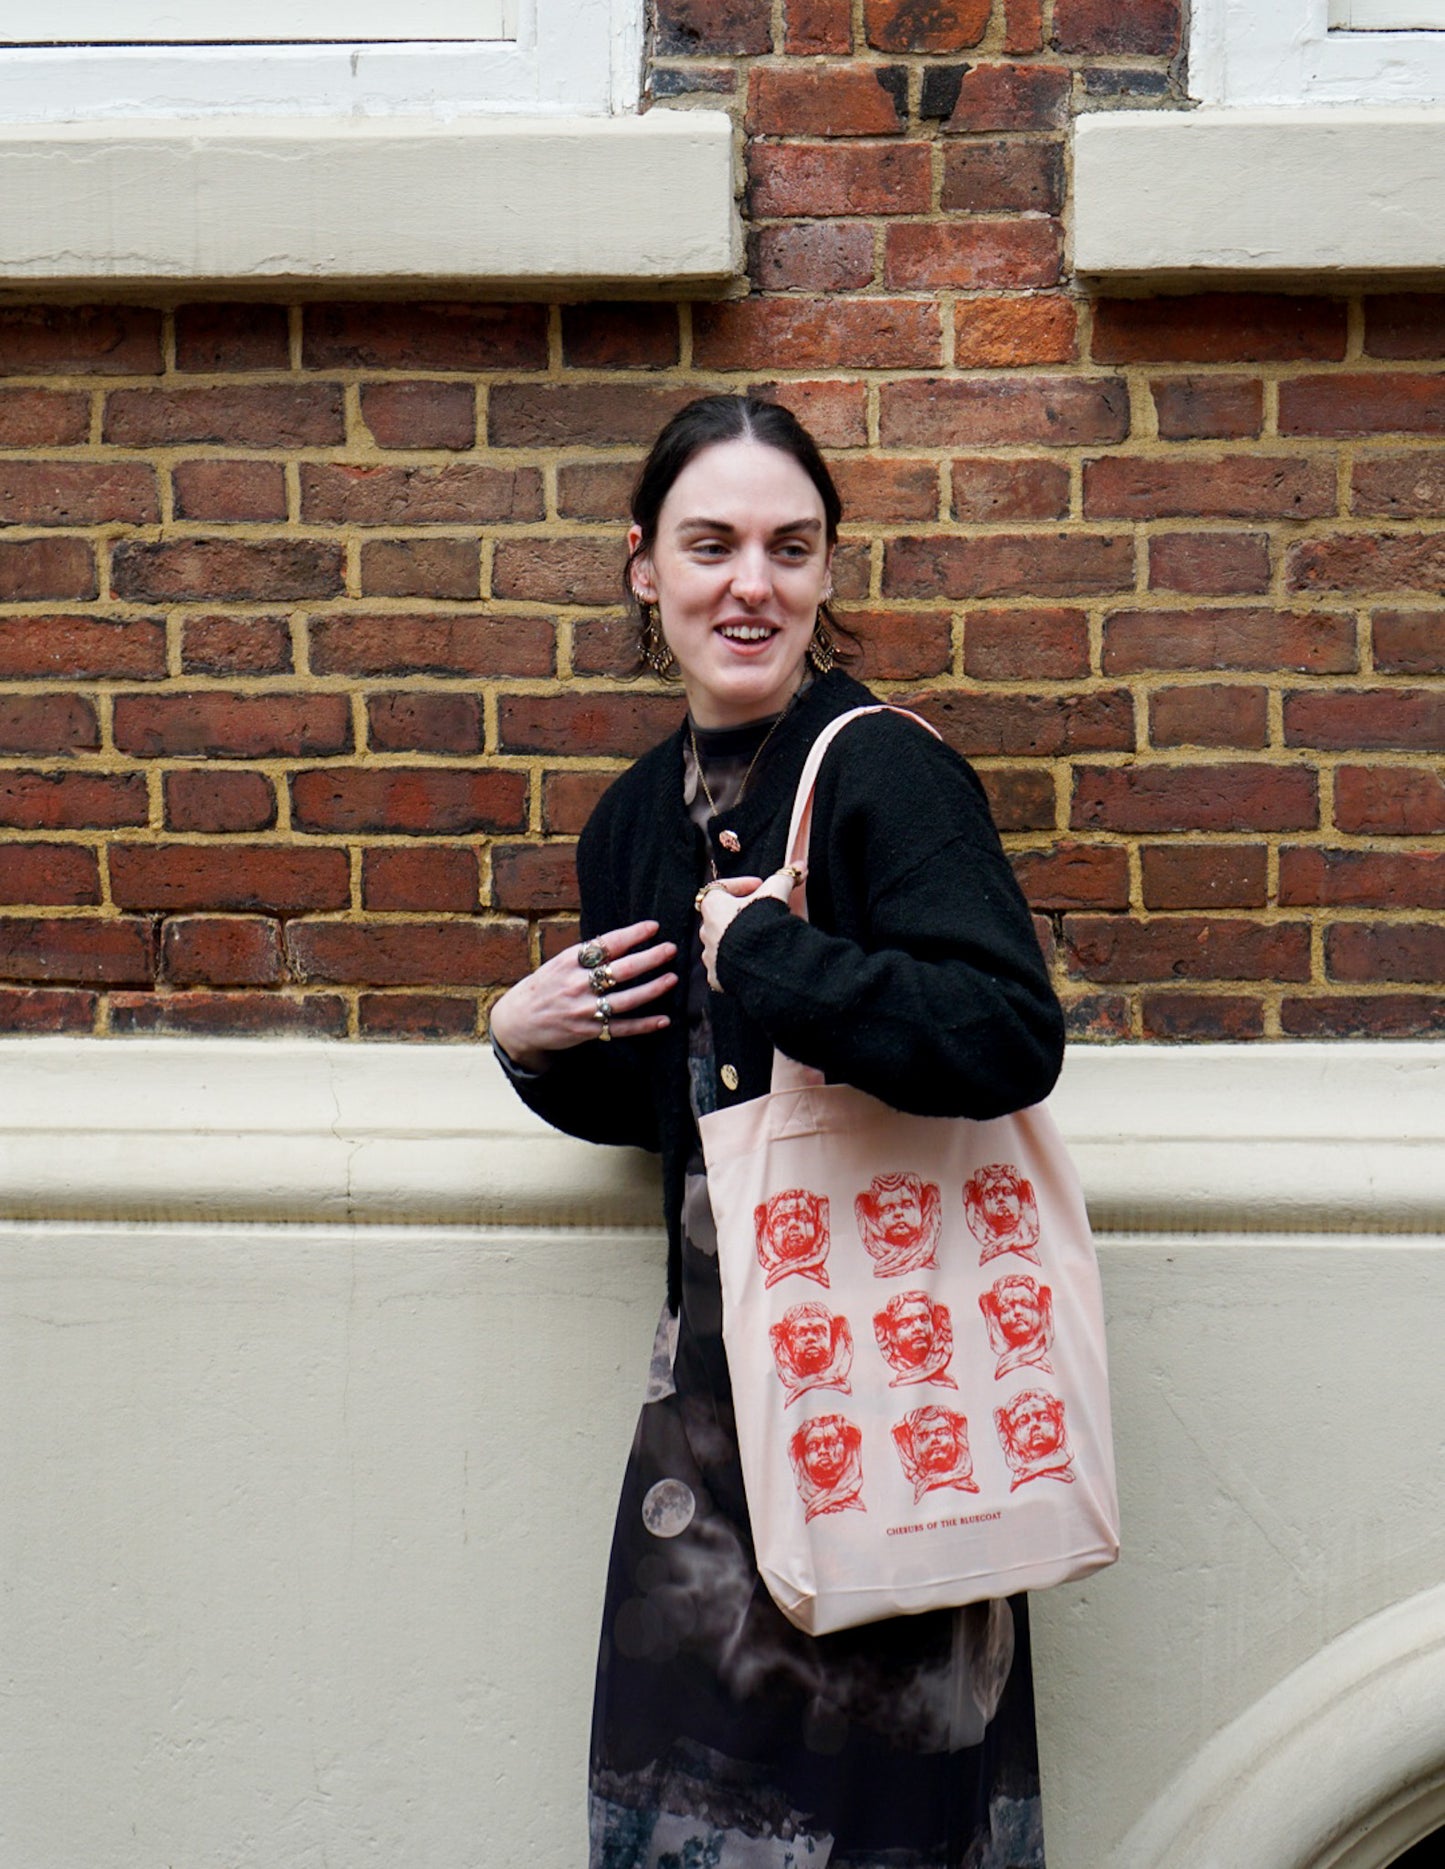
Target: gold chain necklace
[729,839]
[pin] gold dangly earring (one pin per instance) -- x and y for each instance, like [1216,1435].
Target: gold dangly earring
[656,652]
[822,650]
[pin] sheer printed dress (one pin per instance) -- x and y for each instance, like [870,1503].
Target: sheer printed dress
[723,1737]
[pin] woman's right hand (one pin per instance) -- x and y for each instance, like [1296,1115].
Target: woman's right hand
[555,1008]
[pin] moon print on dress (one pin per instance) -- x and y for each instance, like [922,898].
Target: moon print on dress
[900,1217]
[1020,1319]
[827,1457]
[1001,1212]
[916,1338]
[1031,1434]
[812,1349]
[792,1235]
[932,1444]
[668,1508]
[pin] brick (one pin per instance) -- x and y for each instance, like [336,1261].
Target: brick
[213,725]
[1012,97]
[1202,1017]
[1215,714]
[1148,798]
[1064,411]
[1409,718]
[71,801]
[77,493]
[1363,1015]
[1219,327]
[925,25]
[606,645]
[880,486]
[1208,408]
[267,878]
[420,415]
[419,336]
[1021,798]
[47,570]
[902,645]
[232,338]
[219,801]
[417,1016]
[1402,325]
[302,415]
[470,644]
[1008,564]
[535,879]
[1390,801]
[1209,639]
[412,953]
[315,1015]
[1377,402]
[562,571]
[690,78]
[919,255]
[813,28]
[988,489]
[835,414]
[1030,725]
[412,722]
[818,333]
[55,875]
[1095,1018]
[1074,876]
[730,28]
[37,1010]
[614,726]
[821,100]
[234,570]
[817,256]
[1184,947]
[1143,29]
[1009,332]
[89,950]
[221,950]
[46,724]
[1394,951]
[461,494]
[229,490]
[1366,879]
[43,418]
[440,568]
[795,179]
[1368,561]
[435,878]
[1205,876]
[226,645]
[569,798]
[80,340]
[1242,486]
[1409,642]
[1400,486]
[1026,645]
[996,175]
[596,489]
[562,415]
[1210,564]
[629,335]
[414,801]
[82,648]
[1023,25]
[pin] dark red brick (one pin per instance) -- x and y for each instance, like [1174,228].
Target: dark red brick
[90,950]
[1142,29]
[52,875]
[1195,798]
[835,414]
[417,801]
[1003,564]
[238,1014]
[435,878]
[417,1016]
[1213,714]
[232,338]
[987,489]
[47,570]
[1021,251]
[411,953]
[1407,952]
[1185,947]
[468,644]
[1390,801]
[792,179]
[1212,564]
[1021,798]
[632,335]
[902,645]
[1319,644]
[416,336]
[464,493]
[595,489]
[1409,642]
[80,340]
[880,486]
[730,28]
[1375,402]
[1363,1015]
[1369,561]
[38,1010]
[43,418]
[1095,1018]
[299,415]
[1219,327]
[227,645]
[1205,876]
[77,493]
[562,571]
[1400,486]
[1074,876]
[420,415]
[1240,486]
[606,645]
[230,490]
[534,879]
[1012,97]
[816,256]
[1412,719]
[996,175]
[222,950]
[813,28]
[439,568]
[208,800]
[861,334]
[413,721]
[213,725]
[271,878]
[1368,879]
[1023,25]
[1202,1017]
[560,415]
[1208,408]
[821,100]
[1402,325]
[1026,645]
[41,725]
[925,25]
[82,648]
[568,799]
[72,801]
[614,726]
[942,412]
[234,570]
[1031,725]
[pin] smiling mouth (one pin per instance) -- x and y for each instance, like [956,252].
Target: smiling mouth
[747,632]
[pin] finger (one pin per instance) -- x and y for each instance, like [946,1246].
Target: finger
[639,1028]
[630,966]
[738,885]
[635,996]
[618,941]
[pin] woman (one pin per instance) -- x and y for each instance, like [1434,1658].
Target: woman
[722,1736]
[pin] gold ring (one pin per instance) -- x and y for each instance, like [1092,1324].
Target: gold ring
[603,1011]
[601,979]
[716,883]
[593,955]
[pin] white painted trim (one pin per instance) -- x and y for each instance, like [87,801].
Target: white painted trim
[1254,52]
[578,202]
[1267,1139]
[227,22]
[1388,15]
[1259,192]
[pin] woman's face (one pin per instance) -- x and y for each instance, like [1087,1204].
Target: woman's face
[737,572]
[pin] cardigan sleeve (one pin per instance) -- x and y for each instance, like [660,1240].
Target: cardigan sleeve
[920,980]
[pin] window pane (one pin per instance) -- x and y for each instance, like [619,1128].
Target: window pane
[227,22]
[1389,15]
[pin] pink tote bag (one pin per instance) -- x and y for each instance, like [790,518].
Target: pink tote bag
[915,1334]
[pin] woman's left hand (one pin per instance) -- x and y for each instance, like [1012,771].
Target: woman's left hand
[721,902]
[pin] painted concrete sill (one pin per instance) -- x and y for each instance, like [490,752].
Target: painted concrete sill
[566,203]
[1259,192]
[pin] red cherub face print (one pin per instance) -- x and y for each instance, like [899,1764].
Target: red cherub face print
[827,1457]
[916,1338]
[1001,1211]
[1031,1433]
[792,1235]
[1020,1319]
[812,1349]
[900,1217]
[932,1444]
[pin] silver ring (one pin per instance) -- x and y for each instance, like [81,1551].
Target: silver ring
[603,1012]
[601,978]
[592,955]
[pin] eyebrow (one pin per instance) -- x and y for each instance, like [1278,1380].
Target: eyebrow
[724,525]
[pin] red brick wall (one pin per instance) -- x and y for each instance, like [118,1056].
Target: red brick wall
[309,620]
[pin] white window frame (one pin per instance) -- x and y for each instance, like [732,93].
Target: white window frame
[230,22]
[1387,15]
[1252,53]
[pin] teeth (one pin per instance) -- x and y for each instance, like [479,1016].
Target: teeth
[739,632]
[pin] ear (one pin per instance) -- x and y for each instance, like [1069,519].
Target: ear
[644,585]
[828,579]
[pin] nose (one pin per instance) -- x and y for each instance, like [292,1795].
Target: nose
[751,582]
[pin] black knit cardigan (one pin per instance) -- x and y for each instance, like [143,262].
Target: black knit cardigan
[917,977]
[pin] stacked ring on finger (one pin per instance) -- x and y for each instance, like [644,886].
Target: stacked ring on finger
[602,979]
[592,955]
[603,1016]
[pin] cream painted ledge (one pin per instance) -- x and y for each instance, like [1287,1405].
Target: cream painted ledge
[572,203]
[1237,192]
[1267,1138]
